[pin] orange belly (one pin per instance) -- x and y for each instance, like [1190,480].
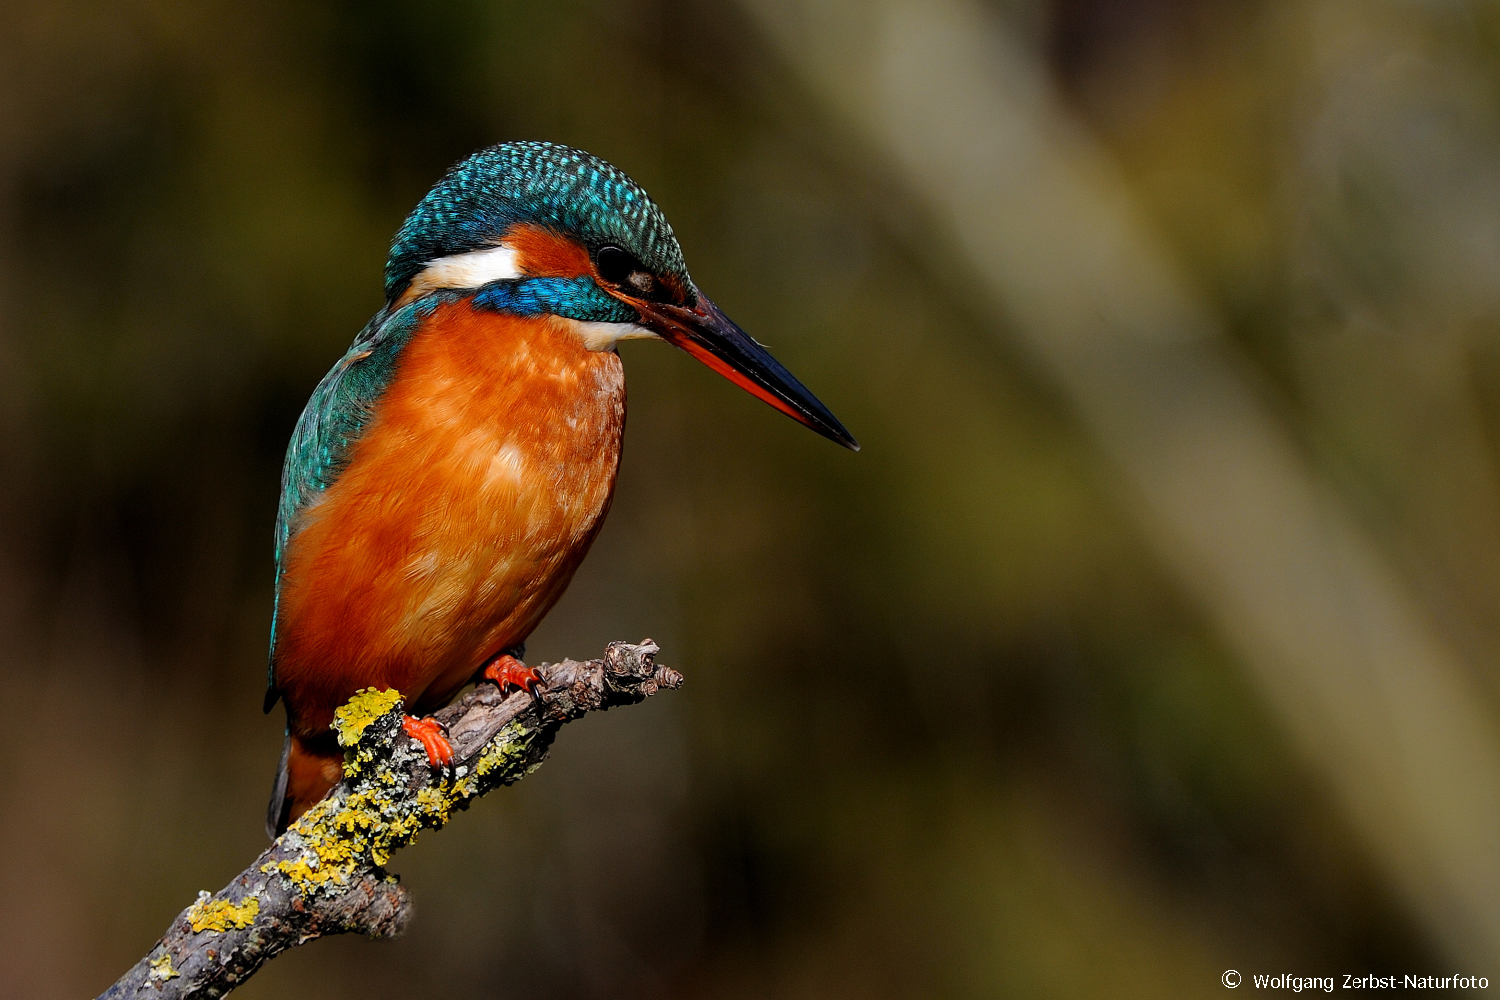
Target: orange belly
[465,508]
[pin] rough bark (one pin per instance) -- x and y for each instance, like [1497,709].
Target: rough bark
[325,875]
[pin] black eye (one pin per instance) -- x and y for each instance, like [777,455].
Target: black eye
[615,265]
[618,267]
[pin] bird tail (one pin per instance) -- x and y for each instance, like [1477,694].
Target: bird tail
[276,818]
[306,774]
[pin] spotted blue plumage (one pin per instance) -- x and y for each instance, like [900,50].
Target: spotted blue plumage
[559,187]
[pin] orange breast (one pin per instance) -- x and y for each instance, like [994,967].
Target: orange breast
[466,506]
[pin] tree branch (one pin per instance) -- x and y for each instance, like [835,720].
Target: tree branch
[325,875]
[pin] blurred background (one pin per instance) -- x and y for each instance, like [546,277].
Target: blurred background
[1153,633]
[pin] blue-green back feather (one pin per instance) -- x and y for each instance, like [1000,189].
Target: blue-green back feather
[337,414]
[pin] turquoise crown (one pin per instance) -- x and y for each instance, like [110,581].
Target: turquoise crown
[559,187]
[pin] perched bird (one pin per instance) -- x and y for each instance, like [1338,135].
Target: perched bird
[449,474]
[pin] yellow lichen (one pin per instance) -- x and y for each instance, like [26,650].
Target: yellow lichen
[219,915]
[161,968]
[331,850]
[433,804]
[507,746]
[375,814]
[367,705]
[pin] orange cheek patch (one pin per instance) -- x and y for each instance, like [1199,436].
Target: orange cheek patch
[543,254]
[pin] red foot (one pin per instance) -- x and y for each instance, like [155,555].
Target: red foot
[509,672]
[429,733]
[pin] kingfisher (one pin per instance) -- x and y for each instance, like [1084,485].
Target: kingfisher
[450,472]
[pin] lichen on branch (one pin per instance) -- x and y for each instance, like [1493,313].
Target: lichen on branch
[326,874]
[375,812]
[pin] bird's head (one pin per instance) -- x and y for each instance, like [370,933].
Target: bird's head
[534,228]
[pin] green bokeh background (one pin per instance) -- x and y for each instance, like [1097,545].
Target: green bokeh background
[950,728]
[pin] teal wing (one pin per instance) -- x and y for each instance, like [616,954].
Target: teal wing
[340,409]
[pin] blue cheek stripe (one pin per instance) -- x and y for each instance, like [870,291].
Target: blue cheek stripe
[572,298]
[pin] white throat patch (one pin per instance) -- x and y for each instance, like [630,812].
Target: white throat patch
[604,336]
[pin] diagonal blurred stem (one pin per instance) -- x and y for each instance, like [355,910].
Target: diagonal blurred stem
[1376,702]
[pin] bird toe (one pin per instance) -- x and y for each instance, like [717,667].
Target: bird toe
[434,739]
[509,673]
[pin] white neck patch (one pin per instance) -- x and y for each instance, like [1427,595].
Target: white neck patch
[465,270]
[499,263]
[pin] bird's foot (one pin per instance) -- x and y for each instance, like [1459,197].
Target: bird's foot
[434,739]
[508,672]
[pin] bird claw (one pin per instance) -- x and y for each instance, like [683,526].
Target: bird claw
[508,672]
[434,739]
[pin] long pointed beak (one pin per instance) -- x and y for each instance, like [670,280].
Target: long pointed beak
[714,339]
